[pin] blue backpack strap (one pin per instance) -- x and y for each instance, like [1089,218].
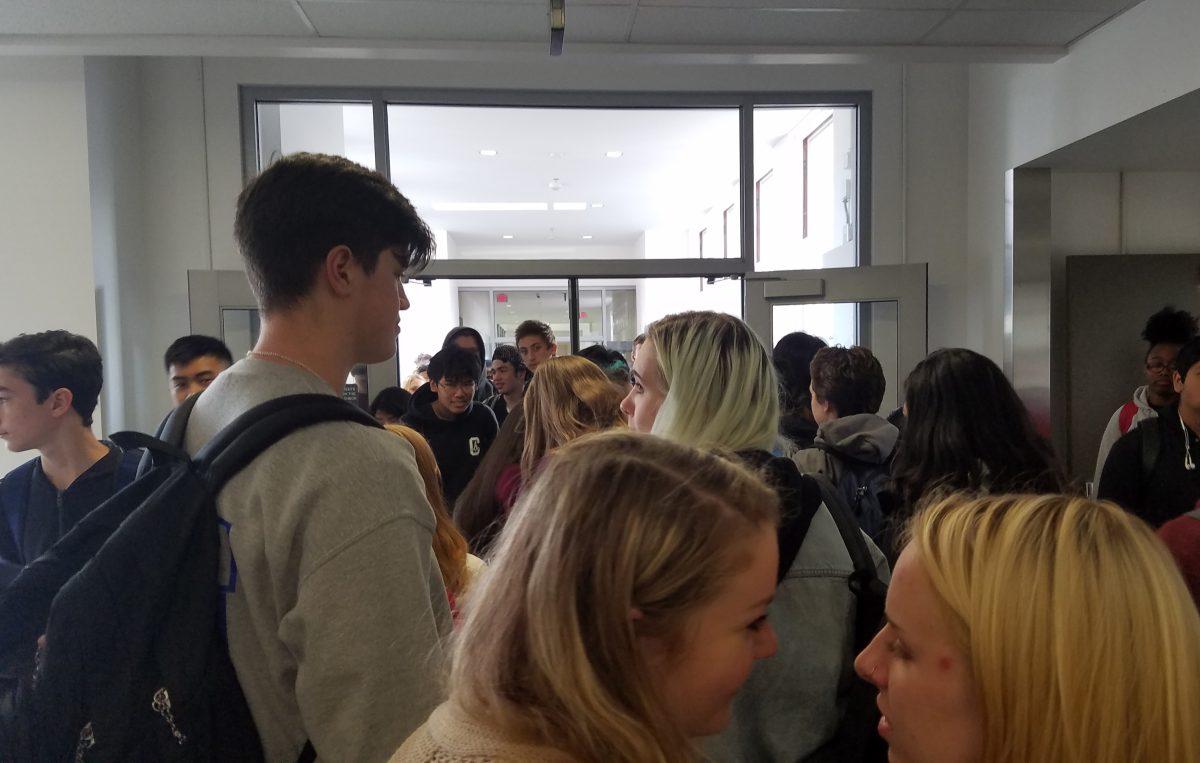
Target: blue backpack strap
[14,501]
[127,470]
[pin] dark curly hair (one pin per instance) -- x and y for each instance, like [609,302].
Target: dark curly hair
[1170,326]
[850,379]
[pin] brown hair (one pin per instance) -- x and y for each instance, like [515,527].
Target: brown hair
[449,545]
[568,397]
[476,511]
[850,379]
[617,522]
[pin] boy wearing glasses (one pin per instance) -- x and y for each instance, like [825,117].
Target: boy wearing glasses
[1165,332]
[458,429]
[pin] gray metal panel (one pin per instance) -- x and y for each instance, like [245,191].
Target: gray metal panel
[1027,248]
[1108,300]
[808,287]
[906,285]
[579,268]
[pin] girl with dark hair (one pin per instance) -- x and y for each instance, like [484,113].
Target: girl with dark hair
[968,430]
[1165,332]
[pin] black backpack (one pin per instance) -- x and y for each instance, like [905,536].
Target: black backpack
[856,739]
[136,667]
[866,489]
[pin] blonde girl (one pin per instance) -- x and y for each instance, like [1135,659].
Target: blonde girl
[1041,628]
[624,607]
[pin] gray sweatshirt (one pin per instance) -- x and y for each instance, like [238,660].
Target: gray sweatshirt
[333,602]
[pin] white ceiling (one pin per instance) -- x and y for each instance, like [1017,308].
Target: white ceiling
[762,23]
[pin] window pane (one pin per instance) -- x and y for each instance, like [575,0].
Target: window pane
[632,303]
[805,166]
[342,129]
[560,183]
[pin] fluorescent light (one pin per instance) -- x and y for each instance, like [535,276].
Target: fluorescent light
[491,206]
[570,206]
[597,205]
[507,236]
[488,152]
[586,237]
[612,154]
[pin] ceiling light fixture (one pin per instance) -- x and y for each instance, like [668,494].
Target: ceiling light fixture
[613,154]
[558,25]
[597,205]
[570,206]
[586,237]
[491,206]
[488,152]
[507,236]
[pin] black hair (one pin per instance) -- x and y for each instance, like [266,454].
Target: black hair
[453,363]
[534,328]
[1189,355]
[55,360]
[968,430]
[304,205]
[476,511]
[793,357]
[1169,326]
[849,379]
[611,362]
[393,401]
[185,349]
[506,353]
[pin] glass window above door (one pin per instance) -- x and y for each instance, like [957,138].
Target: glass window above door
[341,129]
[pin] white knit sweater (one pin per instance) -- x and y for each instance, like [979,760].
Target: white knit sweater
[449,736]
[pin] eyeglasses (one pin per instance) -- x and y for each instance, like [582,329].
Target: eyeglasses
[1157,367]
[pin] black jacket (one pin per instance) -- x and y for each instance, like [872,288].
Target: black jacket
[1169,489]
[459,444]
[35,514]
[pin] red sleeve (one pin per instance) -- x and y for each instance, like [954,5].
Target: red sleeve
[1182,536]
[508,487]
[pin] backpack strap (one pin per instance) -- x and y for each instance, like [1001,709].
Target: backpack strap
[308,754]
[127,470]
[869,591]
[14,502]
[247,436]
[1126,415]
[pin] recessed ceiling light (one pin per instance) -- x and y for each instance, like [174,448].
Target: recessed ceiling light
[491,206]
[586,237]
[570,206]
[613,154]
[597,205]
[488,152]
[507,236]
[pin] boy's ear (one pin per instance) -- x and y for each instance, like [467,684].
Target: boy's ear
[60,402]
[336,270]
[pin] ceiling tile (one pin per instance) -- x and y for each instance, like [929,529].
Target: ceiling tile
[167,17]
[1097,6]
[597,23]
[895,5]
[715,26]
[430,20]
[1014,27]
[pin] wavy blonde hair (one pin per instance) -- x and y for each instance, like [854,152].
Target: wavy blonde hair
[722,390]
[1084,642]
[618,521]
[568,398]
[449,545]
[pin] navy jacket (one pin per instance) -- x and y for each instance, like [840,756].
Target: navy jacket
[458,445]
[35,514]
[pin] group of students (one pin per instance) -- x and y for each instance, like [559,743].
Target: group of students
[686,560]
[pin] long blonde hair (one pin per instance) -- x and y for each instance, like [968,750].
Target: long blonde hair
[568,398]
[618,522]
[449,545]
[722,390]
[1084,642]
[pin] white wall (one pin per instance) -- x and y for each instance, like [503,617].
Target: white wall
[1019,112]
[44,205]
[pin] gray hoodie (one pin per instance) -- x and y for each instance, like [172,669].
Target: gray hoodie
[864,437]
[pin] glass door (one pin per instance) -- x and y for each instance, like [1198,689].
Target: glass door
[882,308]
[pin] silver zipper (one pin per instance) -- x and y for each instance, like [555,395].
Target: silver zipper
[162,706]
[87,740]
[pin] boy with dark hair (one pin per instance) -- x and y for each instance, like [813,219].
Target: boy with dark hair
[792,356]
[444,411]
[469,339]
[1151,471]
[1165,332]
[535,342]
[332,601]
[49,385]
[509,377]
[853,446]
[192,362]
[390,405]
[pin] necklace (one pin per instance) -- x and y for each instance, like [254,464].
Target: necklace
[280,356]
[1188,463]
